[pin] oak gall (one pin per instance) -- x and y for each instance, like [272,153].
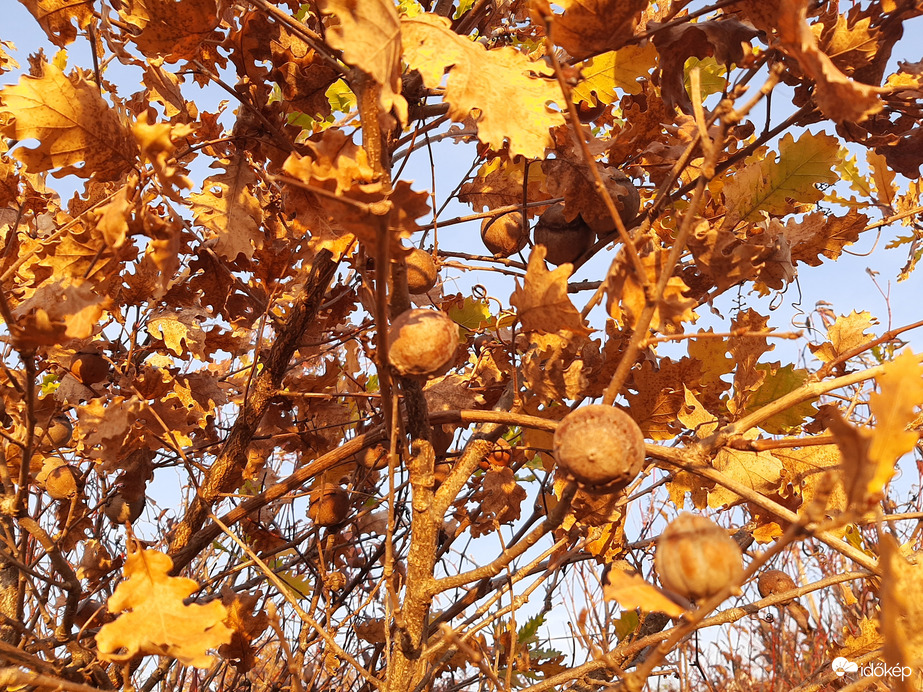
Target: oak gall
[423,343]
[696,558]
[600,447]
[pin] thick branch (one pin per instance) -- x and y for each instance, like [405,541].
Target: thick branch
[224,475]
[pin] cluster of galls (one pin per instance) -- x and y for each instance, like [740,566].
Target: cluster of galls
[566,233]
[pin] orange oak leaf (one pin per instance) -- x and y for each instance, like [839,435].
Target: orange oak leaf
[72,123]
[591,27]
[229,209]
[838,97]
[245,626]
[154,619]
[542,301]
[369,35]
[630,590]
[55,16]
[173,30]
[510,92]
[626,300]
[56,313]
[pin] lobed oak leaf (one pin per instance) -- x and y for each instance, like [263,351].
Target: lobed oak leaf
[817,234]
[630,591]
[498,183]
[155,620]
[625,298]
[58,312]
[621,69]
[839,98]
[229,209]
[181,331]
[245,626]
[72,123]
[813,471]
[369,36]
[722,259]
[847,333]
[779,381]
[500,498]
[542,302]
[712,356]
[163,87]
[55,17]
[511,93]
[172,30]
[659,394]
[906,155]
[590,27]
[157,142]
[761,472]
[693,415]
[771,185]
[746,350]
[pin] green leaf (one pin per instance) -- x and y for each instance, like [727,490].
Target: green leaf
[780,381]
[711,76]
[528,631]
[626,624]
[472,315]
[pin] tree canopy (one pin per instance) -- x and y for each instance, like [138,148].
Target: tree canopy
[278,417]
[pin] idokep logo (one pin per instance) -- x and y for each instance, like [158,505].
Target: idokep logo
[841,666]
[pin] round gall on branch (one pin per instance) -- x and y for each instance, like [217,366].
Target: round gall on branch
[421,271]
[600,447]
[423,343]
[696,558]
[504,235]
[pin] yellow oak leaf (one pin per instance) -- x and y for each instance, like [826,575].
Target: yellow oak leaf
[55,16]
[894,409]
[761,472]
[590,27]
[901,614]
[542,301]
[73,124]
[847,333]
[179,329]
[154,619]
[810,471]
[617,69]
[369,35]
[630,591]
[511,93]
[771,185]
